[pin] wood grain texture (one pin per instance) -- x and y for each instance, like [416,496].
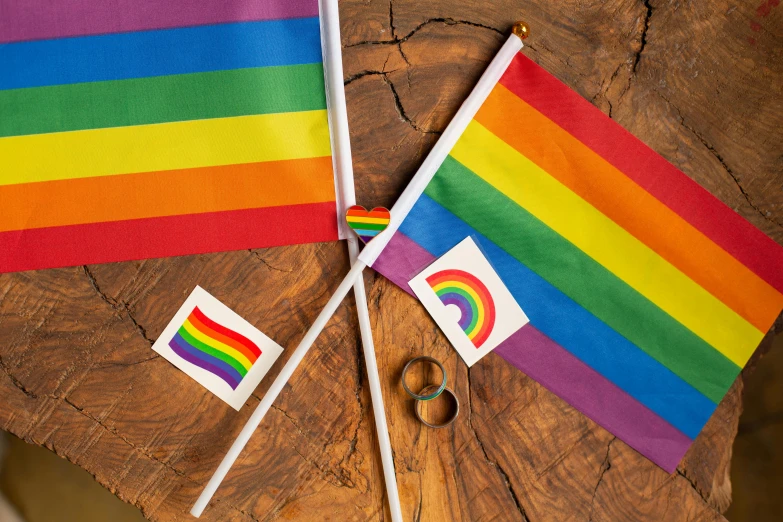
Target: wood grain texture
[694,80]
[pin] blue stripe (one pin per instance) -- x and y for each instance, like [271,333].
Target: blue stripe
[362,232]
[575,329]
[159,53]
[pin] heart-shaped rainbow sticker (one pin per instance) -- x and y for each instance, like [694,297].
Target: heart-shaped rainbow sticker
[367,223]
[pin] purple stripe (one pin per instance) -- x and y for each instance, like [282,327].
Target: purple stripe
[401,260]
[22,20]
[466,313]
[183,351]
[589,392]
[559,371]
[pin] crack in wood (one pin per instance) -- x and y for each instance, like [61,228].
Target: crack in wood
[560,458]
[118,306]
[407,64]
[245,513]
[132,363]
[606,465]
[637,53]
[255,253]
[643,36]
[489,461]
[420,506]
[446,21]
[681,472]
[401,110]
[391,19]
[289,417]
[397,101]
[362,74]
[605,90]
[236,509]
[127,441]
[342,479]
[359,386]
[16,382]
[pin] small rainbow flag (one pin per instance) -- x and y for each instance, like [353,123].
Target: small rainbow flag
[215,348]
[135,128]
[471,296]
[646,295]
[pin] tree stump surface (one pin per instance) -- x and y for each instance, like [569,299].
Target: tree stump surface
[700,82]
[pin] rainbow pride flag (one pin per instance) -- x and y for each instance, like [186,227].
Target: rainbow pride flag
[142,128]
[646,295]
[215,348]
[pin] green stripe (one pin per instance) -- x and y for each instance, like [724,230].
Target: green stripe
[470,299]
[161,99]
[367,226]
[195,343]
[582,279]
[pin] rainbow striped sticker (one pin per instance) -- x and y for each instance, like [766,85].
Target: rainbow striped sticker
[367,223]
[469,301]
[218,348]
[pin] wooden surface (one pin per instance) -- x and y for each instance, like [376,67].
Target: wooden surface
[700,82]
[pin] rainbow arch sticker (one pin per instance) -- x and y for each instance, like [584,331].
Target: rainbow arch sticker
[471,296]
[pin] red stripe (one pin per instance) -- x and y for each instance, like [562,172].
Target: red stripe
[196,323]
[648,169]
[236,336]
[461,276]
[377,212]
[167,236]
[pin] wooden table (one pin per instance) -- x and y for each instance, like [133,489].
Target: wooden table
[700,82]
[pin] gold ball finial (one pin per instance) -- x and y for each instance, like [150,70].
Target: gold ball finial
[521,29]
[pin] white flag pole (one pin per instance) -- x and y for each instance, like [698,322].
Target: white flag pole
[343,167]
[409,196]
[376,394]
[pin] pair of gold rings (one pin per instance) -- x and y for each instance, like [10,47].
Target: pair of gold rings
[430,392]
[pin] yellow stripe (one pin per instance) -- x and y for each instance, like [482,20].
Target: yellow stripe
[356,219]
[606,242]
[473,294]
[214,343]
[165,146]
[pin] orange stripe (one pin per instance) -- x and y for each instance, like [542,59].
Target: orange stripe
[209,332]
[615,195]
[166,193]
[371,214]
